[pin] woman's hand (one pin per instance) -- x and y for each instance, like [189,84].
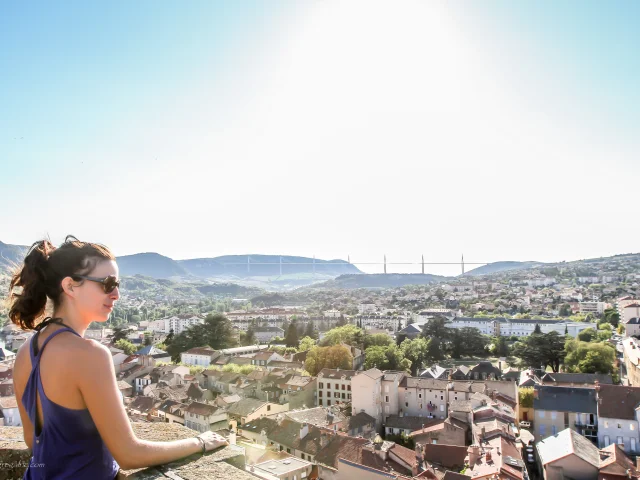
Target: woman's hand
[212,440]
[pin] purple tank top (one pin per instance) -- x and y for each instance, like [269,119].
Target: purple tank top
[69,445]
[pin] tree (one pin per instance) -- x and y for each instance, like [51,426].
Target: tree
[120,333]
[250,336]
[148,339]
[525,395]
[378,339]
[216,332]
[417,351]
[468,341]
[541,350]
[310,331]
[306,344]
[587,335]
[439,334]
[565,310]
[537,329]
[611,315]
[500,346]
[390,357]
[349,334]
[169,339]
[336,356]
[291,339]
[127,347]
[589,357]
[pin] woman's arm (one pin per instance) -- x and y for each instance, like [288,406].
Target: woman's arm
[97,383]
[20,372]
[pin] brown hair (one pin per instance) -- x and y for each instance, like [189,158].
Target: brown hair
[41,276]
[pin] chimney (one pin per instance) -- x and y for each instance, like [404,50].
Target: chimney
[232,437]
[474,454]
[304,429]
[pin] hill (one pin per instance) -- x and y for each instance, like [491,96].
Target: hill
[380,280]
[150,265]
[497,267]
[244,266]
[10,255]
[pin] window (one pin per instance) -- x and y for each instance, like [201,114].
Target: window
[554,415]
[343,386]
[320,402]
[633,444]
[607,441]
[406,404]
[328,386]
[419,395]
[455,397]
[288,450]
[619,425]
[320,393]
[441,408]
[336,394]
[541,413]
[268,408]
[619,441]
[542,430]
[337,387]
[321,385]
[328,403]
[343,396]
[348,388]
[386,398]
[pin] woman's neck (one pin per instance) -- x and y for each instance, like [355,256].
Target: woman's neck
[72,319]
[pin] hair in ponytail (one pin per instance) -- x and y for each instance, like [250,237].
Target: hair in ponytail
[41,275]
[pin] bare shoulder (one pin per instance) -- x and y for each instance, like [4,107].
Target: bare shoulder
[22,362]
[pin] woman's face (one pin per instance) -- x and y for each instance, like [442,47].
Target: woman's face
[92,301]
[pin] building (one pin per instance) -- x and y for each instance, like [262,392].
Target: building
[568,454]
[558,408]
[10,412]
[629,311]
[364,308]
[200,416]
[417,397]
[333,386]
[632,327]
[249,409]
[177,323]
[597,308]
[366,388]
[266,334]
[618,417]
[290,468]
[631,352]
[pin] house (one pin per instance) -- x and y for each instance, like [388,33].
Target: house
[405,424]
[144,405]
[329,382]
[496,458]
[142,381]
[125,389]
[199,356]
[615,464]
[460,373]
[618,417]
[568,454]
[359,424]
[450,431]
[419,397]
[631,351]
[225,400]
[584,380]
[249,409]
[413,330]
[172,412]
[558,408]
[485,371]
[284,469]
[632,327]
[297,390]
[155,353]
[263,358]
[10,412]
[200,416]
[435,371]
[330,418]
[445,455]
[6,354]
[266,334]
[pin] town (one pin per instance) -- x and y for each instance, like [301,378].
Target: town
[520,374]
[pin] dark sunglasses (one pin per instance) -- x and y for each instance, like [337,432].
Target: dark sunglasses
[109,284]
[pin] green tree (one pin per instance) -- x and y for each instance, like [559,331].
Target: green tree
[310,331]
[438,334]
[541,350]
[375,357]
[589,357]
[537,329]
[127,347]
[336,356]
[349,334]
[525,395]
[468,341]
[291,339]
[306,344]
[216,332]
[169,339]
[250,336]
[120,333]
[500,346]
[565,310]
[378,339]
[587,335]
[417,351]
[611,316]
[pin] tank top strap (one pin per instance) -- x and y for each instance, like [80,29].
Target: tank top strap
[62,330]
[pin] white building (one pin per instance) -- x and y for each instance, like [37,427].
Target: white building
[200,416]
[334,386]
[266,334]
[333,313]
[201,356]
[618,417]
[10,411]
[364,308]
[593,307]
[177,323]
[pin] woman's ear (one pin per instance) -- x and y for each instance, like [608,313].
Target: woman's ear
[68,286]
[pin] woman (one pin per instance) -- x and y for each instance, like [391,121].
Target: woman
[71,409]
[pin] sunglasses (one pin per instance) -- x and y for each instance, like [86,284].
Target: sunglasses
[109,284]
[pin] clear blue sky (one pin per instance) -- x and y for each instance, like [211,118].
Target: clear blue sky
[504,130]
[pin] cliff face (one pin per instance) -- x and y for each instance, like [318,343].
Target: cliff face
[223,464]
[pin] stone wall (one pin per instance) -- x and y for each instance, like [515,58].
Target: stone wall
[225,463]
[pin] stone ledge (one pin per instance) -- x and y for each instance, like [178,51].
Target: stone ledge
[225,463]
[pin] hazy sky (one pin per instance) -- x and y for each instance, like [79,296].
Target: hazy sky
[502,130]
